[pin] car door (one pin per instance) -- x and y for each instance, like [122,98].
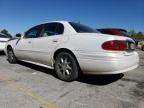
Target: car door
[47,42]
[24,46]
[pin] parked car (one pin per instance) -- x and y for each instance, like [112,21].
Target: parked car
[3,40]
[72,48]
[141,45]
[114,31]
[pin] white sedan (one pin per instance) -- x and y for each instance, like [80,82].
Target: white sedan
[72,48]
[3,41]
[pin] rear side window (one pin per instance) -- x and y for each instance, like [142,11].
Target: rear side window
[82,28]
[51,29]
[59,28]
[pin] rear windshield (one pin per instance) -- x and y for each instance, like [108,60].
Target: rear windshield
[106,32]
[125,33]
[82,28]
[3,36]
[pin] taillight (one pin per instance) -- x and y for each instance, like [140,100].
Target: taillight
[115,45]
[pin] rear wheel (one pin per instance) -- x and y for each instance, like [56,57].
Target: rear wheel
[11,56]
[66,67]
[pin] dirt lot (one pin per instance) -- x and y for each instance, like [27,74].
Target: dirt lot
[25,85]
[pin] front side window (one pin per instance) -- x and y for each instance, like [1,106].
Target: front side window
[82,28]
[51,29]
[34,32]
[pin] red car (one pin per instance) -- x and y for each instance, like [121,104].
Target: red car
[114,31]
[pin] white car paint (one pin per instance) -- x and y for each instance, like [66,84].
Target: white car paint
[3,41]
[86,47]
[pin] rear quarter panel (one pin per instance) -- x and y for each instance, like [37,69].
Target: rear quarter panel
[87,48]
[91,42]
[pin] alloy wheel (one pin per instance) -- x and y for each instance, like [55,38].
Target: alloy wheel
[65,66]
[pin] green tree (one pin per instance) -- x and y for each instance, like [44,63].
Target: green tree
[4,31]
[139,36]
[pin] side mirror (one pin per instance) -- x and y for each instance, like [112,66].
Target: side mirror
[18,35]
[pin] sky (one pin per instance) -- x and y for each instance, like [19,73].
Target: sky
[17,16]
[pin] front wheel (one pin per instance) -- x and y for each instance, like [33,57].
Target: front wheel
[66,67]
[11,56]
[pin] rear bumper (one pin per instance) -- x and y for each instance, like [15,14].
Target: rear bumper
[107,63]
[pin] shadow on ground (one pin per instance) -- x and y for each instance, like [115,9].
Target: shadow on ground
[89,79]
[100,79]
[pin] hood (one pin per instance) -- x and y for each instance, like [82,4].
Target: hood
[4,39]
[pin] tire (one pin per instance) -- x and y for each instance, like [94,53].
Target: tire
[11,56]
[66,67]
[142,48]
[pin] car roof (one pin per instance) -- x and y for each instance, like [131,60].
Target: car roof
[55,22]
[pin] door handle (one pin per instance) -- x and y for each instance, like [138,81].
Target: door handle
[55,40]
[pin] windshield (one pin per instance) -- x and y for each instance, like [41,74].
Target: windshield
[3,36]
[82,28]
